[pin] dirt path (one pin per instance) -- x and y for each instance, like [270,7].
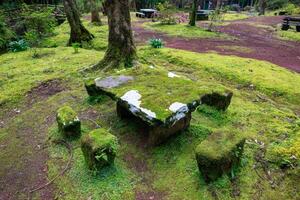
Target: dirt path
[23,154]
[254,34]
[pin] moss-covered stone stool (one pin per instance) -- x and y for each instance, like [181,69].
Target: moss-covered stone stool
[219,154]
[99,148]
[68,122]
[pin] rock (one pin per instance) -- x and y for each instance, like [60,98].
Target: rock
[157,130]
[68,123]
[219,154]
[99,148]
[220,102]
[94,86]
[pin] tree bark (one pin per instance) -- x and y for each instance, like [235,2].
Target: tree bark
[78,32]
[262,7]
[193,14]
[95,16]
[121,51]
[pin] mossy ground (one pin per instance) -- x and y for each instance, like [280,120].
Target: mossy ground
[231,16]
[267,112]
[183,30]
[291,34]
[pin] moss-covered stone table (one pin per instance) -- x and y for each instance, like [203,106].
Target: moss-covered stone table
[161,99]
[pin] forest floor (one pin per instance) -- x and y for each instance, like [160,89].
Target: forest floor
[265,105]
[254,37]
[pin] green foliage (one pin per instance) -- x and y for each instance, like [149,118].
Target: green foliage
[156,43]
[19,45]
[76,47]
[42,22]
[276,4]
[215,16]
[183,30]
[292,9]
[166,14]
[5,33]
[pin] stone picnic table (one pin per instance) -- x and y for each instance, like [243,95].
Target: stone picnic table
[162,100]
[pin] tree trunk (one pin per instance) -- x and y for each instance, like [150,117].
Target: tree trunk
[121,50]
[95,16]
[193,14]
[78,32]
[262,7]
[219,4]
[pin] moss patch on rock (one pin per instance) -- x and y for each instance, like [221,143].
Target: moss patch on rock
[219,154]
[99,148]
[68,122]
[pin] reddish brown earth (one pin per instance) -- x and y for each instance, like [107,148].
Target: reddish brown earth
[262,41]
[25,168]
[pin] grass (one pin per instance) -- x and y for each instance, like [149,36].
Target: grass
[234,16]
[236,48]
[62,34]
[183,30]
[291,35]
[19,72]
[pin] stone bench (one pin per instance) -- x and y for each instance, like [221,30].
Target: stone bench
[291,21]
[163,101]
[140,15]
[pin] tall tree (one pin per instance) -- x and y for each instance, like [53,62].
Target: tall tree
[121,50]
[262,7]
[95,16]
[193,14]
[78,32]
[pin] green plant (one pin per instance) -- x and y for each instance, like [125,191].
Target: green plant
[5,33]
[20,45]
[292,9]
[156,43]
[166,14]
[76,47]
[41,21]
[214,17]
[34,41]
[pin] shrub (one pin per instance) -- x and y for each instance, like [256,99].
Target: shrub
[166,15]
[276,4]
[20,45]
[42,21]
[5,34]
[156,43]
[247,8]
[292,9]
[32,38]
[76,47]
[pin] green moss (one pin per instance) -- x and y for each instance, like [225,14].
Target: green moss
[158,91]
[99,148]
[268,78]
[19,72]
[183,30]
[236,48]
[234,16]
[66,115]
[62,34]
[170,168]
[219,145]
[291,34]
